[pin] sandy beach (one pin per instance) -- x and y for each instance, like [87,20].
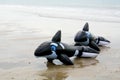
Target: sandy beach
[23,29]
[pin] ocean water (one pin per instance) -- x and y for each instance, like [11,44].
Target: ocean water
[95,10]
[70,3]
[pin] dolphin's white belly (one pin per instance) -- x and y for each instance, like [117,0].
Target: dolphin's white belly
[102,43]
[88,54]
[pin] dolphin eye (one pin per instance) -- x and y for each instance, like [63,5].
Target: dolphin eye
[53,48]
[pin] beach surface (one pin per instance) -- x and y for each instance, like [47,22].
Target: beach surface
[23,29]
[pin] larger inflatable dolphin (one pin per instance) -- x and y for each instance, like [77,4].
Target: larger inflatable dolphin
[85,38]
[55,49]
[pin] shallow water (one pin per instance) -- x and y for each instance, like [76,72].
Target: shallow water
[22,29]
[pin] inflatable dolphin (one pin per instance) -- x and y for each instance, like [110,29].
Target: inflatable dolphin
[85,38]
[55,49]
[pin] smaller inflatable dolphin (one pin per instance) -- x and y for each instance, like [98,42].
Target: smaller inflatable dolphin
[55,49]
[85,38]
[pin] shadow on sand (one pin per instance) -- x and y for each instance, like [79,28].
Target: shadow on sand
[60,72]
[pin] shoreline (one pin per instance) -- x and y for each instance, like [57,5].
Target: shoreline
[70,13]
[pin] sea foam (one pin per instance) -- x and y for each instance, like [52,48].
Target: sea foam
[92,14]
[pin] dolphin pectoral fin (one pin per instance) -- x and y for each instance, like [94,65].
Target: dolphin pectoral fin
[94,45]
[65,59]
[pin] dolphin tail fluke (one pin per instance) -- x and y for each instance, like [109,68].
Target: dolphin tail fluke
[65,59]
[102,41]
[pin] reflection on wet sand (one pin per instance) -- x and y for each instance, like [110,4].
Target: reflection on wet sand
[104,48]
[55,75]
[59,72]
[85,62]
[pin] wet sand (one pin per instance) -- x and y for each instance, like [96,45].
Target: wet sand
[21,33]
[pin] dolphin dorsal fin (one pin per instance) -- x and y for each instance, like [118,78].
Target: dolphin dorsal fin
[86,27]
[57,37]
